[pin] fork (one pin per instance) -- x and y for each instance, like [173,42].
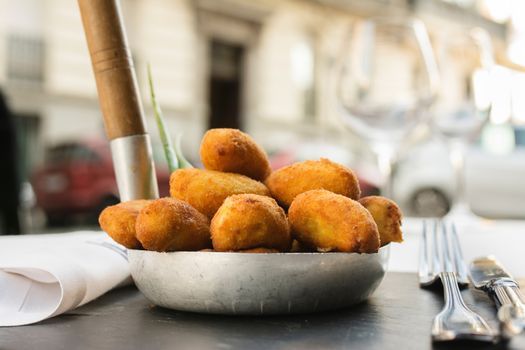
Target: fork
[443,261]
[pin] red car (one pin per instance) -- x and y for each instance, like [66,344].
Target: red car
[77,179]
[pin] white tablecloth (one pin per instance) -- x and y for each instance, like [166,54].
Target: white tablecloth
[505,239]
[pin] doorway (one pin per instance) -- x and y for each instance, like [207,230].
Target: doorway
[225,85]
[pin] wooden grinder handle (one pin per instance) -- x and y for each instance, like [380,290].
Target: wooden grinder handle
[112,63]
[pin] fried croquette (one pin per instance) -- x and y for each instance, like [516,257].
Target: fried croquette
[387,216]
[118,221]
[205,190]
[254,250]
[169,224]
[298,247]
[247,221]
[232,151]
[327,221]
[258,251]
[288,182]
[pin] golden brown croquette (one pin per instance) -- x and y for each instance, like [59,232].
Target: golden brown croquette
[288,182]
[232,151]
[205,190]
[118,221]
[169,224]
[387,216]
[247,221]
[327,221]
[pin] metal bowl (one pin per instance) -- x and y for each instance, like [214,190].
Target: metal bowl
[256,284]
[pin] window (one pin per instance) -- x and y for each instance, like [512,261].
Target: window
[25,60]
[302,57]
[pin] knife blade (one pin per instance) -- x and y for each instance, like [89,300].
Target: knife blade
[487,274]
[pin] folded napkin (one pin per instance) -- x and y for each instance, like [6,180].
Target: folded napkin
[42,276]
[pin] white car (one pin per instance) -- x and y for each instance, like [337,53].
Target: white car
[423,182]
[496,183]
[425,185]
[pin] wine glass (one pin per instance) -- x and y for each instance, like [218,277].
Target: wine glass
[388,80]
[467,62]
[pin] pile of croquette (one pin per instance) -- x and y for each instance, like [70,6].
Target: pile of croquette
[237,204]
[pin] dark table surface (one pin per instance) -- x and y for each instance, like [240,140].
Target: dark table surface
[398,316]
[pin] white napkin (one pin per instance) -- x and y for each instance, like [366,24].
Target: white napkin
[42,276]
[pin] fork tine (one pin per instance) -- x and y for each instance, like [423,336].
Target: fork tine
[456,320]
[436,265]
[423,254]
[445,249]
[461,268]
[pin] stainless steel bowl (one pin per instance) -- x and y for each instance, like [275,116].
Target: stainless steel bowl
[256,284]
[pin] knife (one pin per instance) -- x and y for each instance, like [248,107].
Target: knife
[487,274]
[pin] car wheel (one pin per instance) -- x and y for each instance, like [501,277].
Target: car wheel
[429,202]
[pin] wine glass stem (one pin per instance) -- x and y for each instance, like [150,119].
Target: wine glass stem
[457,159]
[384,162]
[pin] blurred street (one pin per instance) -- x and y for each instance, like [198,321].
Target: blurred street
[276,70]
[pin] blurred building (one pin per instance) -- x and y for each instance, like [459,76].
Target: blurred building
[266,66]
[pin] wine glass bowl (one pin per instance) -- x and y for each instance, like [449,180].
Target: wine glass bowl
[461,112]
[464,106]
[387,82]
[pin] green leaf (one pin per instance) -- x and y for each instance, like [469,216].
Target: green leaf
[183,162]
[171,157]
